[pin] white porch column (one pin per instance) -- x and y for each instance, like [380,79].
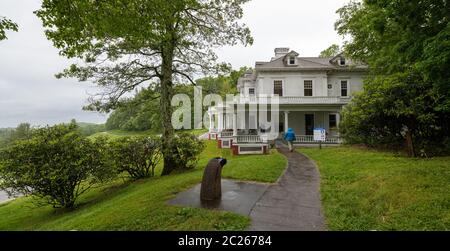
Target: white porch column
[234,124]
[224,121]
[220,122]
[211,126]
[229,123]
[286,121]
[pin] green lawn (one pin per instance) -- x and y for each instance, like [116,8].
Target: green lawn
[142,205]
[369,190]
[120,133]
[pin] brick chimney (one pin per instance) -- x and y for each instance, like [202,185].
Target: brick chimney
[281,52]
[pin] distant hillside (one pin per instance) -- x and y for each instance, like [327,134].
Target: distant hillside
[23,130]
[88,129]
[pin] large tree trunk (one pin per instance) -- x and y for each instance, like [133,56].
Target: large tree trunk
[166,111]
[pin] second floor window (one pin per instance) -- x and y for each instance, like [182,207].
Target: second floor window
[308,88]
[344,88]
[278,88]
[251,91]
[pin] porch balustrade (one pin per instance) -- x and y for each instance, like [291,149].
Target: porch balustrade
[250,139]
[226,134]
[295,100]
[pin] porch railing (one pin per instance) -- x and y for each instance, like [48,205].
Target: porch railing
[225,134]
[295,100]
[309,139]
[250,139]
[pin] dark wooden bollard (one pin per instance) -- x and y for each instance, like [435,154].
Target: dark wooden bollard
[211,188]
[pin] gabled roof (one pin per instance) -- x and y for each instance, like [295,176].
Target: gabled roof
[308,63]
[292,53]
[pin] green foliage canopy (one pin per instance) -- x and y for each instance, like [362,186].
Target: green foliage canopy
[123,42]
[188,149]
[141,112]
[138,156]
[56,164]
[331,51]
[407,94]
[6,24]
[128,43]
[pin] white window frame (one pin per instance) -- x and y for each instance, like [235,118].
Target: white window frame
[228,142]
[348,87]
[289,60]
[254,91]
[282,86]
[312,87]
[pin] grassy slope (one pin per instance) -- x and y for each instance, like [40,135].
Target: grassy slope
[142,205]
[369,190]
[120,133]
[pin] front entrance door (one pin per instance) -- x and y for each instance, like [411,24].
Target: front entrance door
[309,124]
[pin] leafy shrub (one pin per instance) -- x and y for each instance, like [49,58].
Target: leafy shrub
[187,148]
[390,113]
[56,164]
[138,156]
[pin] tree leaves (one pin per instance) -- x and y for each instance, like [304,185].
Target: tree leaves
[406,46]
[122,42]
[6,24]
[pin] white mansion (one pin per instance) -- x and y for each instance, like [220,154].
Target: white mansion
[311,93]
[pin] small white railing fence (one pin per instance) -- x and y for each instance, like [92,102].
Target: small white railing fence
[294,100]
[225,134]
[250,139]
[309,139]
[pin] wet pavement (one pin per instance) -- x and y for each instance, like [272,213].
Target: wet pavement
[237,197]
[3,196]
[294,203]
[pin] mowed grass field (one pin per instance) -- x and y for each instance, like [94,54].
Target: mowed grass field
[141,205]
[119,133]
[369,190]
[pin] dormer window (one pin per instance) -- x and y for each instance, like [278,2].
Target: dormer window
[342,61]
[251,91]
[291,60]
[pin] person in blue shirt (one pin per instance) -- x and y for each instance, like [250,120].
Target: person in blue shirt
[289,136]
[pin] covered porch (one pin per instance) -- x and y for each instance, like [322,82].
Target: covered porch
[249,133]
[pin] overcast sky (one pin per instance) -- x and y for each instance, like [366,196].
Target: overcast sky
[29,92]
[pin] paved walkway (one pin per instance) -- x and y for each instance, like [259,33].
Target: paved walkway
[294,203]
[3,197]
[204,136]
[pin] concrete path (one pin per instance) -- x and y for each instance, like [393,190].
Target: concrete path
[4,197]
[294,203]
[239,197]
[204,136]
